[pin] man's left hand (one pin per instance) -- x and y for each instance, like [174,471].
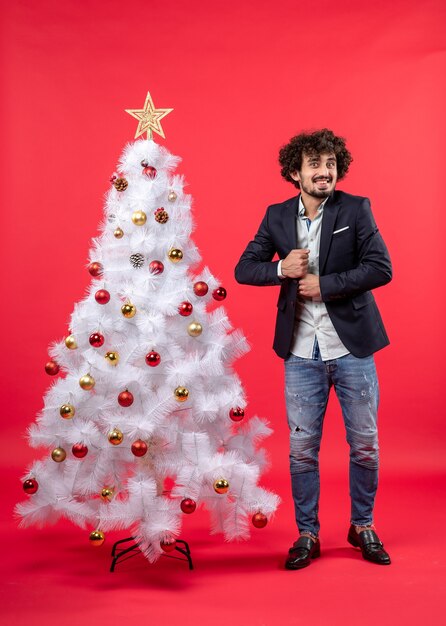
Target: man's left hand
[309,286]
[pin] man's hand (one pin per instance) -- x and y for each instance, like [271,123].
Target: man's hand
[309,286]
[295,265]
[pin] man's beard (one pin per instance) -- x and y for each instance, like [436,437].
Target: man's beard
[319,193]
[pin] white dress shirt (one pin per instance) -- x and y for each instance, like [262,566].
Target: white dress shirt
[312,319]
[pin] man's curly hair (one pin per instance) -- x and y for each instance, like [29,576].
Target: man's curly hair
[317,142]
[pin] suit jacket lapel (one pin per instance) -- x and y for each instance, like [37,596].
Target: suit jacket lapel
[331,209]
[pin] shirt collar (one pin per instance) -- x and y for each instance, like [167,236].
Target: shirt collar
[301,210]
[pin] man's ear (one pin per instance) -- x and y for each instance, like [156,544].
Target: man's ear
[295,176]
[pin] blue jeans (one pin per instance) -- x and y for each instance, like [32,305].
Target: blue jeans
[307,386]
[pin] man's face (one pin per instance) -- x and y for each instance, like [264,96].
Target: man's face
[318,174]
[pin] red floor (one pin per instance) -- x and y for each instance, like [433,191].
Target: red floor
[54,576]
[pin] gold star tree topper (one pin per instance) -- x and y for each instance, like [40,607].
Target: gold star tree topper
[149,118]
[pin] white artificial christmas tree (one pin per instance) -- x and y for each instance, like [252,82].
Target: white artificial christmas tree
[148,391]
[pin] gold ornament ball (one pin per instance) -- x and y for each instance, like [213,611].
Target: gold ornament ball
[115,436]
[181,394]
[112,358]
[195,329]
[139,218]
[97,538]
[172,196]
[70,342]
[67,411]
[118,233]
[58,455]
[175,255]
[221,485]
[128,310]
[87,382]
[107,494]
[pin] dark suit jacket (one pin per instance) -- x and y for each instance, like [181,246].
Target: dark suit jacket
[351,263]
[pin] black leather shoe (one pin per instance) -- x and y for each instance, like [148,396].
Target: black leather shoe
[371,547]
[303,550]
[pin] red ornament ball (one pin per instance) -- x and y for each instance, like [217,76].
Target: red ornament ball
[200,288]
[168,545]
[185,309]
[139,447]
[219,294]
[237,414]
[102,296]
[125,398]
[96,340]
[259,520]
[79,450]
[95,269]
[188,505]
[150,172]
[153,358]
[156,267]
[52,368]
[30,486]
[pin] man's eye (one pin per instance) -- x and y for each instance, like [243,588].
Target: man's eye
[313,164]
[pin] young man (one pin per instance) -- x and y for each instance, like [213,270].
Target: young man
[328,327]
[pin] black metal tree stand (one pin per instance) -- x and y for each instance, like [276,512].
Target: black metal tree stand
[120,554]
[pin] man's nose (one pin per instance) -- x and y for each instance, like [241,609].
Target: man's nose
[323,170]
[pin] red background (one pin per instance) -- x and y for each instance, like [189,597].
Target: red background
[242,79]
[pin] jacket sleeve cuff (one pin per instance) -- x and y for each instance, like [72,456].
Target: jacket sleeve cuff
[328,289]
